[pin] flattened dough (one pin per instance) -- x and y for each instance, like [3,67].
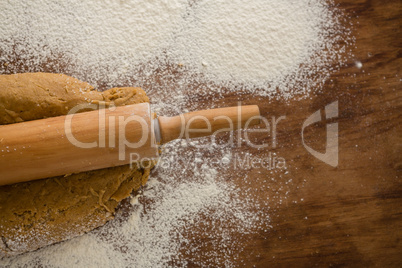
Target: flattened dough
[39,213]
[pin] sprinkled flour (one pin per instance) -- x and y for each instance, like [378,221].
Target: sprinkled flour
[260,47]
[106,37]
[257,43]
[176,51]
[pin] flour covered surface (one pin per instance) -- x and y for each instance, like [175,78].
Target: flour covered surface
[198,208]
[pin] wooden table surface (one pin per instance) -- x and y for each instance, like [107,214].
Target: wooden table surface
[351,214]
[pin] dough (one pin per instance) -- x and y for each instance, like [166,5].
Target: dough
[39,213]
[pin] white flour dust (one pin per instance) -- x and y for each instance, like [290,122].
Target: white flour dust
[175,50]
[256,46]
[99,40]
[266,44]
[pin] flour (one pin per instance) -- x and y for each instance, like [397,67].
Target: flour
[106,37]
[175,50]
[262,47]
[258,43]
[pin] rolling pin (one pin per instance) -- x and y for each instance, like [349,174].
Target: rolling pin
[102,138]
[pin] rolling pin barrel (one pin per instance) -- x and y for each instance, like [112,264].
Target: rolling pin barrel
[103,138]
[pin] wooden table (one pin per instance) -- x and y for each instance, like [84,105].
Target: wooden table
[351,214]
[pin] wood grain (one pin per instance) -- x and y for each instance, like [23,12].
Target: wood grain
[352,214]
[349,215]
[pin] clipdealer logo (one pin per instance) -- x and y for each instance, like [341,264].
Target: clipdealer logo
[268,161]
[330,156]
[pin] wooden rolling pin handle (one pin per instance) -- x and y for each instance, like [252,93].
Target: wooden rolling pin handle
[207,122]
